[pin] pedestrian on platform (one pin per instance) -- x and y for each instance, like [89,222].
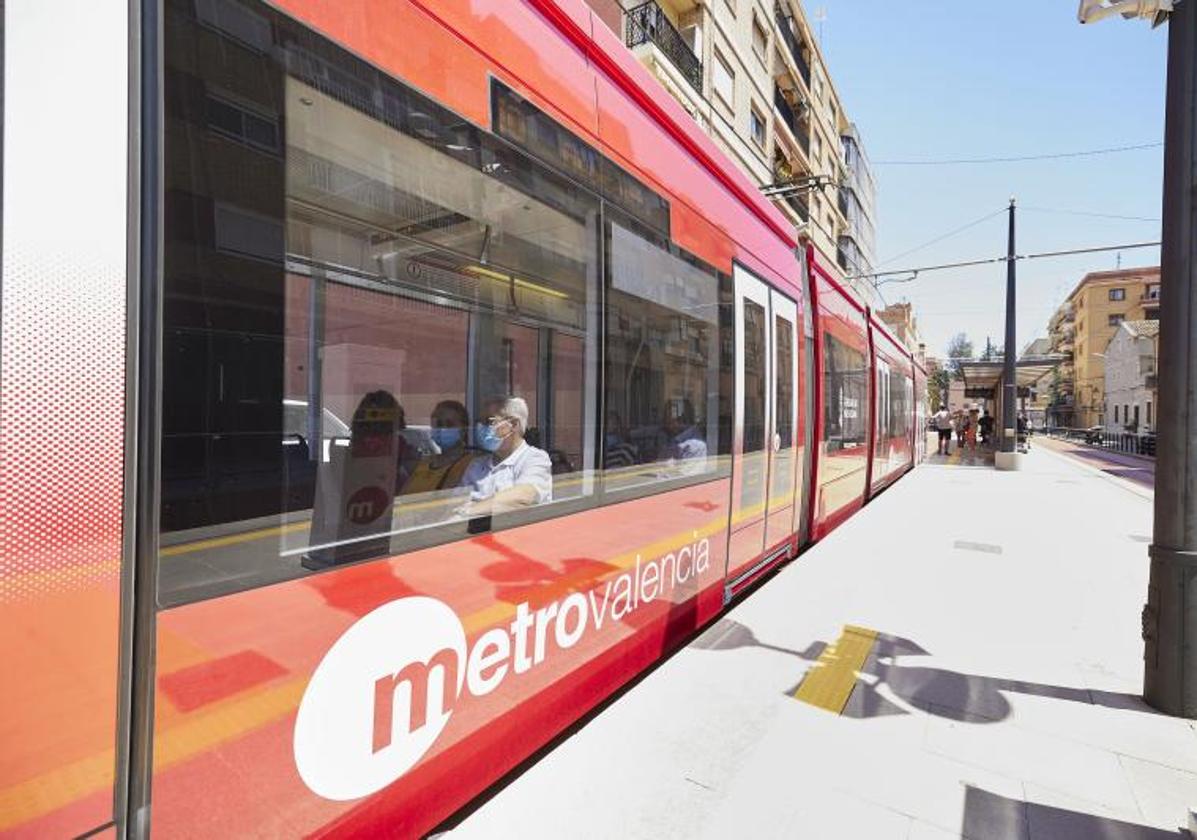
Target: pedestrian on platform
[970,429]
[943,425]
[961,429]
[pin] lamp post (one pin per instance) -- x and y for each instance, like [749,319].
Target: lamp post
[1170,614]
[1007,457]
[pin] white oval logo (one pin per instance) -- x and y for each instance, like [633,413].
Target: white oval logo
[379,698]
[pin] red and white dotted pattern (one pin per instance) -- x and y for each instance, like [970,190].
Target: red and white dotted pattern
[62,384]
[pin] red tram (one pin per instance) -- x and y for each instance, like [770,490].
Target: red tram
[246,587]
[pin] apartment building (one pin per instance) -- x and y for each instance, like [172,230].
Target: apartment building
[900,319]
[1131,377]
[1082,328]
[752,76]
[856,251]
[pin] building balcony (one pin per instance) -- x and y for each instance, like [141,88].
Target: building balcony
[1150,296]
[793,43]
[797,127]
[648,24]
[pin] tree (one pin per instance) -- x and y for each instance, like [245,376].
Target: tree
[958,348]
[937,388]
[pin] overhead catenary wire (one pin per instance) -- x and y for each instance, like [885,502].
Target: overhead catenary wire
[1020,158]
[1089,213]
[915,272]
[944,236]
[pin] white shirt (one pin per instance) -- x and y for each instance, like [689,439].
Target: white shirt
[943,420]
[526,465]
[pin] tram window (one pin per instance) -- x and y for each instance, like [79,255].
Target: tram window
[782,474]
[784,379]
[754,377]
[844,394]
[354,322]
[664,364]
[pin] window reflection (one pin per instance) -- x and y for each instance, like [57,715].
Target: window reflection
[845,394]
[662,362]
[379,318]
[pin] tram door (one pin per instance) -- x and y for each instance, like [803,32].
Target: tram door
[764,467]
[783,444]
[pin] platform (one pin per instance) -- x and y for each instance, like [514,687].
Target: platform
[961,659]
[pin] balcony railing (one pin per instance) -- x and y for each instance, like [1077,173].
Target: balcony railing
[647,24]
[1150,296]
[785,24]
[786,111]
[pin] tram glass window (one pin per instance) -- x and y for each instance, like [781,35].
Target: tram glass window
[664,363]
[344,307]
[783,396]
[845,394]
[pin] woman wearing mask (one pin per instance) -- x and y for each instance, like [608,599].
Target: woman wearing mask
[450,420]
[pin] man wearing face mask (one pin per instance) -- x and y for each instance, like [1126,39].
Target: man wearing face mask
[516,474]
[449,426]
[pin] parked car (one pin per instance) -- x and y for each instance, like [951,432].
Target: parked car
[1093,435]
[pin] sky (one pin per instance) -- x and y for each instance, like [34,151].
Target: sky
[949,79]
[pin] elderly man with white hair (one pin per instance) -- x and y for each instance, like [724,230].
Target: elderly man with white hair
[515,474]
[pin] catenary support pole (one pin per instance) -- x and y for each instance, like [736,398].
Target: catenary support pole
[1170,615]
[1009,383]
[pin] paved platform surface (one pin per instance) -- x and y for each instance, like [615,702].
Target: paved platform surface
[998,697]
[1136,468]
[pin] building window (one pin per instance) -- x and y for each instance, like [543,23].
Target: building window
[760,38]
[1115,413]
[1125,413]
[1135,423]
[1115,319]
[756,126]
[818,140]
[1149,412]
[724,80]
[1117,294]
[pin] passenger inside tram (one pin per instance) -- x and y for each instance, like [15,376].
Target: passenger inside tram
[449,430]
[515,474]
[684,440]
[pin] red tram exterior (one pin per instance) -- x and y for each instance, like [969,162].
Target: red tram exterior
[347,220]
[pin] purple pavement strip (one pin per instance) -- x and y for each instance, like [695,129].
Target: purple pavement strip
[1130,467]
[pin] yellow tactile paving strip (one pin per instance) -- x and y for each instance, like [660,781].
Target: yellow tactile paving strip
[829,682]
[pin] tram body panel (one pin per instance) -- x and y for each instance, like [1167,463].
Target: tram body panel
[62,412]
[893,408]
[640,576]
[846,392]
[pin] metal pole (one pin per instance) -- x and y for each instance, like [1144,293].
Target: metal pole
[1170,615]
[1009,385]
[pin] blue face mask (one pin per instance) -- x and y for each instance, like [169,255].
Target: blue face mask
[446,437]
[486,437]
